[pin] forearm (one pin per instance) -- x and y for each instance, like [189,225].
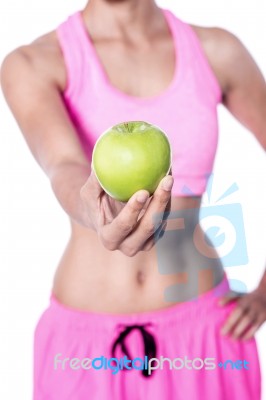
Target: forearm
[67,180]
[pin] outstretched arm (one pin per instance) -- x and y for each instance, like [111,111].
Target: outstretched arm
[30,80]
[32,84]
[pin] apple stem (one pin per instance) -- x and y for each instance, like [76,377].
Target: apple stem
[127,126]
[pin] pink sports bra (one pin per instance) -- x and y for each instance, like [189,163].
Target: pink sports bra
[186,110]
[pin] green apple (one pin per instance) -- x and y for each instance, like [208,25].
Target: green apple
[129,157]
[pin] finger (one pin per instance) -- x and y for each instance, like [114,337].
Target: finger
[115,232]
[261,318]
[251,331]
[234,317]
[153,217]
[242,325]
[112,207]
[106,210]
[146,205]
[148,245]
[229,298]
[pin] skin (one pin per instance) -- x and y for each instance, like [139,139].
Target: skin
[111,254]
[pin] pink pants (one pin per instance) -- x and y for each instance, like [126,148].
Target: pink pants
[192,361]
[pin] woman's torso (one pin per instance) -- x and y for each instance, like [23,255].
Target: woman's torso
[91,277]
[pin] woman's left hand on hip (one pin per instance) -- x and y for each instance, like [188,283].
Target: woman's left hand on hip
[248,315]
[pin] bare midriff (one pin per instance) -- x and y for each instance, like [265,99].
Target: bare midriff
[90,277]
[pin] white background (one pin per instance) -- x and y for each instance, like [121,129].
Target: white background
[34,229]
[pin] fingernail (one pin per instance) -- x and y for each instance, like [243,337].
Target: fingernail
[142,197]
[168,183]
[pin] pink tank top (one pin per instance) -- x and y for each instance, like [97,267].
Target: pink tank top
[186,110]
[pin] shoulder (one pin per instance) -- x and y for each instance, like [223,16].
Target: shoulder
[218,42]
[42,59]
[223,50]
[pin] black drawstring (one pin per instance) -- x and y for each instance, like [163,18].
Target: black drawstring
[148,340]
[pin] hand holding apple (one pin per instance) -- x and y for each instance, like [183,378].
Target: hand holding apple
[129,163]
[120,226]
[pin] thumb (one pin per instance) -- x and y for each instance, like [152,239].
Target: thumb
[230,297]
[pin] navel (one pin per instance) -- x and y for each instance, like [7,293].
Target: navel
[141,277]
